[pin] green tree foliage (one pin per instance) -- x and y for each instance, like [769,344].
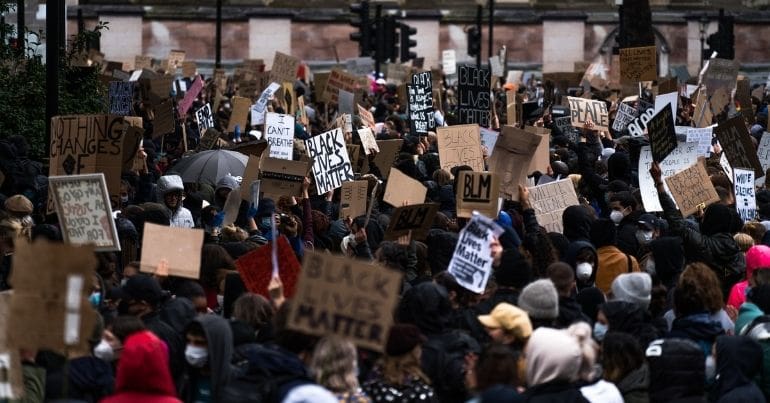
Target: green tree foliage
[23,84]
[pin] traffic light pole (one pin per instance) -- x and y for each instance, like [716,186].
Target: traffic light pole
[479,10]
[218,41]
[491,27]
[20,27]
[54,24]
[380,35]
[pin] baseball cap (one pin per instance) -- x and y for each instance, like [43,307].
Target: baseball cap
[509,318]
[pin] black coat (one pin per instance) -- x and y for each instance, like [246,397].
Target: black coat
[554,392]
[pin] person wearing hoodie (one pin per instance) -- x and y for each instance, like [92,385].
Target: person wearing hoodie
[677,371]
[208,354]
[552,372]
[143,374]
[224,186]
[622,316]
[612,261]
[625,215]
[757,257]
[593,387]
[714,244]
[576,221]
[170,190]
[739,361]
[624,365]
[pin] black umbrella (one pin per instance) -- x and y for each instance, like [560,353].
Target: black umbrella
[210,166]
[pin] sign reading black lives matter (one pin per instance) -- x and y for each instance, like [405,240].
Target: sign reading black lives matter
[473,95]
[420,105]
[471,263]
[331,163]
[204,118]
[84,210]
[121,98]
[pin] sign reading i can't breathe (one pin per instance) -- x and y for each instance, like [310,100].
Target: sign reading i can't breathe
[280,135]
[331,163]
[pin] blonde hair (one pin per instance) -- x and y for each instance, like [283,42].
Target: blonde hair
[589,350]
[442,177]
[744,241]
[396,370]
[335,363]
[231,233]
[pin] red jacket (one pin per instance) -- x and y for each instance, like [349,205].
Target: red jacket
[143,372]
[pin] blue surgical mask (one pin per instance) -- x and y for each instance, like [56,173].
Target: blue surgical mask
[600,329]
[265,222]
[95,299]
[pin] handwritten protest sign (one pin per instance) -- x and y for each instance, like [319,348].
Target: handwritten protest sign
[449,61]
[549,202]
[386,157]
[679,159]
[511,158]
[541,160]
[460,145]
[669,100]
[473,95]
[420,104]
[624,116]
[284,68]
[366,117]
[142,62]
[353,199]
[691,188]
[581,110]
[402,188]
[256,271]
[85,215]
[703,137]
[240,114]
[638,64]
[281,177]
[763,151]
[734,138]
[331,163]
[368,143]
[477,191]
[209,139]
[189,97]
[171,251]
[662,135]
[745,198]
[339,80]
[279,129]
[471,262]
[204,118]
[49,307]
[345,297]
[417,219]
[121,95]
[259,109]
[175,60]
[638,126]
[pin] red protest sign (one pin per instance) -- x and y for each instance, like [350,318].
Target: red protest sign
[256,268]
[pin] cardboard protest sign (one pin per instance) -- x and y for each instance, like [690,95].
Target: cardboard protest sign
[368,143]
[471,262]
[259,109]
[581,110]
[743,99]
[175,60]
[345,297]
[366,117]
[734,138]
[142,62]
[514,109]
[420,104]
[279,132]
[662,135]
[638,64]
[353,199]
[397,73]
[719,73]
[284,68]
[679,159]
[83,144]
[170,251]
[189,97]
[564,124]
[417,219]
[354,153]
[281,177]
[84,210]
[473,100]
[541,160]
[240,114]
[49,307]
[209,139]
[763,151]
[164,119]
[256,270]
[11,379]
[385,158]
[360,66]
[703,137]
[692,188]
[702,116]
[449,61]
[403,188]
[511,158]
[204,118]
[460,145]
[623,117]
[477,191]
[745,198]
[549,202]
[189,69]
[331,164]
[338,80]
[121,95]
[250,174]
[496,66]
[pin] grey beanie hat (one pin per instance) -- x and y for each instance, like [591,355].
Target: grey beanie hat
[635,288]
[540,300]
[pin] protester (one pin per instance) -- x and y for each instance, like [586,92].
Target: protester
[335,365]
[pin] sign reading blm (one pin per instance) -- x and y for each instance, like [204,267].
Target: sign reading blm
[473,95]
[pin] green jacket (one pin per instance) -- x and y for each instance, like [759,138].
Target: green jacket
[746,314]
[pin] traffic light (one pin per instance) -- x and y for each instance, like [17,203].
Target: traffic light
[361,21]
[407,43]
[390,38]
[723,41]
[474,41]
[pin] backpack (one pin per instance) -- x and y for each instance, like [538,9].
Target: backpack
[252,383]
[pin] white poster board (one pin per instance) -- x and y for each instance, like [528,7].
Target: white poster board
[279,129]
[471,263]
[683,156]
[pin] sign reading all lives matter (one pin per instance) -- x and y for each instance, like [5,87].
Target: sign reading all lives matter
[331,163]
[84,210]
[471,263]
[280,135]
[549,202]
[345,297]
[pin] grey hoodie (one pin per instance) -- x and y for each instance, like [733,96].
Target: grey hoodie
[220,345]
[180,217]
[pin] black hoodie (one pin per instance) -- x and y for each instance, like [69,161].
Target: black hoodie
[739,361]
[577,221]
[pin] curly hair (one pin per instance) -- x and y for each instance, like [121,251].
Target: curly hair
[703,287]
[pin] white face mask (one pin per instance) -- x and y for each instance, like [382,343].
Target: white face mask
[221,300]
[196,356]
[104,352]
[616,216]
[584,270]
[644,237]
[600,329]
